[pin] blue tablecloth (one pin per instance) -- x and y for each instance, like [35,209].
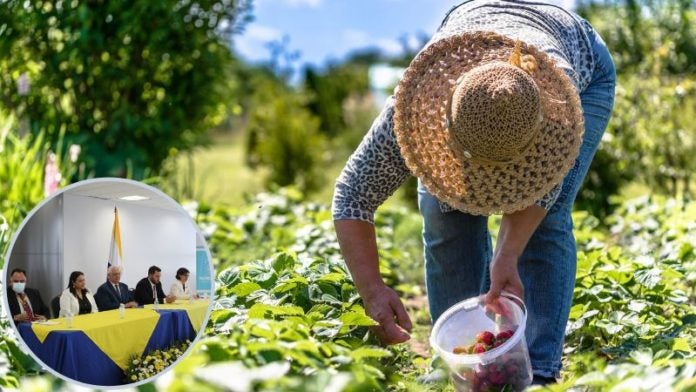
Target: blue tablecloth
[74,355]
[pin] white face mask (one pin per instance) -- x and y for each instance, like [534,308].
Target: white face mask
[18,287]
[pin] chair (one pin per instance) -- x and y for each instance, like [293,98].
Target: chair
[55,306]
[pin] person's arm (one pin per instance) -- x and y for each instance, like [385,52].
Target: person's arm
[373,172]
[160,293]
[66,303]
[515,231]
[359,246]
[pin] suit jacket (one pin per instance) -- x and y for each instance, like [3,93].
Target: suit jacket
[37,304]
[143,292]
[108,298]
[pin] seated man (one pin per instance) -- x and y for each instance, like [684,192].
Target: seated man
[150,288]
[25,303]
[112,293]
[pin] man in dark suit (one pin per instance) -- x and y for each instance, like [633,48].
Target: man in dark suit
[112,293]
[150,286]
[25,303]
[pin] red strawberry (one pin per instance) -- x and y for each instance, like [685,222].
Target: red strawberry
[496,378]
[485,337]
[480,348]
[505,334]
[499,342]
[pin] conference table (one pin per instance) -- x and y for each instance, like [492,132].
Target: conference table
[97,347]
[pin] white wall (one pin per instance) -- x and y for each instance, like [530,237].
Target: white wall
[149,236]
[39,250]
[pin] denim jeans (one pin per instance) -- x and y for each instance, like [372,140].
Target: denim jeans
[458,246]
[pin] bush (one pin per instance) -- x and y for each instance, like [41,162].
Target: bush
[128,81]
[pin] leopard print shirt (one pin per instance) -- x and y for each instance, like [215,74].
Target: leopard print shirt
[376,168]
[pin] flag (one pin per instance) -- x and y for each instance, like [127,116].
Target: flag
[115,250]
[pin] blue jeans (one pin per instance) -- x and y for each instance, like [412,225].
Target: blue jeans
[458,246]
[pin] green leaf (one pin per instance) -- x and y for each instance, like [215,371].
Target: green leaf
[369,352]
[245,288]
[681,344]
[649,277]
[283,262]
[356,319]
[260,311]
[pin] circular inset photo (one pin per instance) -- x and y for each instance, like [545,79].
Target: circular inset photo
[109,282]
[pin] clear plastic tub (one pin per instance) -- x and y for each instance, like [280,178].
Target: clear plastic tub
[506,367]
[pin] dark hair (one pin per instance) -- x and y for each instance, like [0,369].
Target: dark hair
[153,269]
[71,281]
[181,271]
[18,270]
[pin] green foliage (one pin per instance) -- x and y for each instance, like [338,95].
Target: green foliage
[649,139]
[131,82]
[22,160]
[283,135]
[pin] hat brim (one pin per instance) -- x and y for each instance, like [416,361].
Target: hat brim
[468,185]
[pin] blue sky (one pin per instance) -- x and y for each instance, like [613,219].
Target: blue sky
[324,30]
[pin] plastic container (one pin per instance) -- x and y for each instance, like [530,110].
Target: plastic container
[506,367]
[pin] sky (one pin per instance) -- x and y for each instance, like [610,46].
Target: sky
[326,30]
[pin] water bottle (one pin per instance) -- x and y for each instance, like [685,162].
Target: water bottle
[68,319]
[121,311]
[190,299]
[156,304]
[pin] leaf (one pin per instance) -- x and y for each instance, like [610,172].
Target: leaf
[283,262]
[369,352]
[245,288]
[260,310]
[356,319]
[681,344]
[649,277]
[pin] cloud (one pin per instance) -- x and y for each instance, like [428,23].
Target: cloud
[389,46]
[262,33]
[252,43]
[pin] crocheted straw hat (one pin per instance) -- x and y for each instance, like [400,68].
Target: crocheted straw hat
[488,124]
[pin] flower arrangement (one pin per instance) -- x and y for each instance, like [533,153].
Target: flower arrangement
[142,367]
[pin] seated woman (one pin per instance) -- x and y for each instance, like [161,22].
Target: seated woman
[180,289]
[76,299]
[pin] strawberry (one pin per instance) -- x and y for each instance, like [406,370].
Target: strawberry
[480,348]
[496,378]
[485,337]
[505,334]
[499,342]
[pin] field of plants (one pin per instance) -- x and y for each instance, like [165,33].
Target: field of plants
[287,315]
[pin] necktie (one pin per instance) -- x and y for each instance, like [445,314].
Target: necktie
[118,290]
[26,307]
[154,292]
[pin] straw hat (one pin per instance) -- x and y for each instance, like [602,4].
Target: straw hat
[489,124]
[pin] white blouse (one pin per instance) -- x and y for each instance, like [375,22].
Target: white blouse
[178,290]
[69,303]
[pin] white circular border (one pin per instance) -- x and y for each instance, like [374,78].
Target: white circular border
[6,304]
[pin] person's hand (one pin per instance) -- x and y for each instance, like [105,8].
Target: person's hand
[132,304]
[504,277]
[170,298]
[40,317]
[384,306]
[21,317]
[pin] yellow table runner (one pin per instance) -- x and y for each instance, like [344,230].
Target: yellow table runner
[118,338]
[196,310]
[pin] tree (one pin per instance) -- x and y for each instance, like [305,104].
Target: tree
[130,81]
